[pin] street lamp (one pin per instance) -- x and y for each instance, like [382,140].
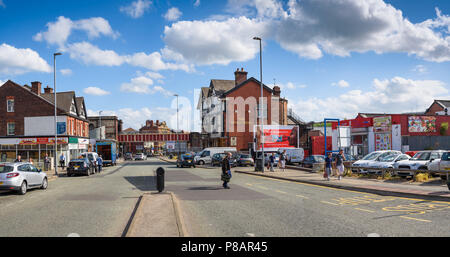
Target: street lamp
[261,109]
[100,116]
[56,123]
[178,144]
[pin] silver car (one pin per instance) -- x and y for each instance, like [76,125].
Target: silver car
[21,176]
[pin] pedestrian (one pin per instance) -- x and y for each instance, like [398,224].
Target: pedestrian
[19,159]
[328,166]
[226,170]
[62,161]
[272,161]
[283,160]
[99,163]
[30,160]
[46,162]
[340,158]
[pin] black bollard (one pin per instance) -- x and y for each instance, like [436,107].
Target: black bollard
[160,179]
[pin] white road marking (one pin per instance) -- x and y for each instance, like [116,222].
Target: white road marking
[250,234]
[373,235]
[73,235]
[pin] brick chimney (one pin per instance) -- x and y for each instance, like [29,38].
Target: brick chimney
[157,122]
[276,91]
[48,90]
[36,87]
[240,76]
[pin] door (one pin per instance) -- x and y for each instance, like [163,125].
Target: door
[25,172]
[206,157]
[37,176]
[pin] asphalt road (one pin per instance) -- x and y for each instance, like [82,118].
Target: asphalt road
[257,206]
[101,205]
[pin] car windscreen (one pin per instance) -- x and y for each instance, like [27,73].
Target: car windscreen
[446,156]
[6,169]
[319,158]
[371,156]
[422,156]
[187,157]
[245,156]
[388,158]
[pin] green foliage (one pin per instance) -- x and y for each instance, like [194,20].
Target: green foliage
[444,128]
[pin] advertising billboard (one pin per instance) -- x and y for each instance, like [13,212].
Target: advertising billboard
[421,124]
[276,137]
[382,142]
[382,124]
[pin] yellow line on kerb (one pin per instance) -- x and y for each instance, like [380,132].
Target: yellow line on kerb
[280,191]
[328,203]
[302,196]
[405,217]
[363,210]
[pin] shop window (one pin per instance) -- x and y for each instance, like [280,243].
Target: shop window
[10,105]
[11,128]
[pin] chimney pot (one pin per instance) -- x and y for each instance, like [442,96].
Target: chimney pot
[36,87]
[240,76]
[48,90]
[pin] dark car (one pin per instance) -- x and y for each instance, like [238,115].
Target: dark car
[128,156]
[185,160]
[80,167]
[245,160]
[216,159]
[309,161]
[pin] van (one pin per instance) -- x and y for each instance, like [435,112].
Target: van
[293,155]
[204,157]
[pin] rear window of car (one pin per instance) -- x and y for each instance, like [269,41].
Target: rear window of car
[446,156]
[245,156]
[5,169]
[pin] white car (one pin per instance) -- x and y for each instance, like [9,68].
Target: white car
[371,158]
[21,176]
[388,161]
[420,161]
[441,164]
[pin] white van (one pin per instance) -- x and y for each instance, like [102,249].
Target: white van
[204,157]
[293,155]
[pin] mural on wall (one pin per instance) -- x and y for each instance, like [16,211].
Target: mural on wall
[382,124]
[422,124]
[382,142]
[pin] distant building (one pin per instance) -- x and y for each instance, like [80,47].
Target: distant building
[104,127]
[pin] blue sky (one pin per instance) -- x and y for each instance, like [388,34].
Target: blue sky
[332,59]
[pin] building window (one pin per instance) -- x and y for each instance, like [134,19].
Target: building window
[10,105]
[11,129]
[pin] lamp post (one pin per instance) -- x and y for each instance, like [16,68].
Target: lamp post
[178,145]
[56,122]
[100,117]
[261,102]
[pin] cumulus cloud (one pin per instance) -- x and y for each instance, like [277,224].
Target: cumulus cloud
[421,69]
[341,83]
[290,86]
[197,3]
[66,72]
[137,8]
[310,28]
[21,60]
[396,95]
[142,84]
[95,91]
[59,31]
[172,14]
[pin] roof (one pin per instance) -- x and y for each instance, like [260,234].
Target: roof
[443,103]
[244,83]
[63,99]
[221,86]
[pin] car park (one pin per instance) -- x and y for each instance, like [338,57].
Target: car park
[420,161]
[367,160]
[441,164]
[245,160]
[80,166]
[387,161]
[309,161]
[21,176]
[185,160]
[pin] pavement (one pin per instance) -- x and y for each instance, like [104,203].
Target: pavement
[435,189]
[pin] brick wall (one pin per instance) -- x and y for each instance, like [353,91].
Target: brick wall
[435,107]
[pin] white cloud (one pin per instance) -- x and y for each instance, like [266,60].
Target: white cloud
[95,91]
[2,82]
[4,6]
[59,31]
[91,54]
[142,85]
[21,60]
[421,69]
[173,14]
[290,86]
[397,95]
[310,28]
[66,72]
[137,8]
[341,83]
[197,3]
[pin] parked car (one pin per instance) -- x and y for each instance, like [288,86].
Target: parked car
[205,156]
[185,160]
[387,161]
[420,161]
[128,156]
[80,166]
[309,161]
[92,156]
[441,164]
[216,159]
[21,176]
[245,160]
[372,157]
[140,157]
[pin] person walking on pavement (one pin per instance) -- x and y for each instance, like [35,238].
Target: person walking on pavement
[272,161]
[328,166]
[283,160]
[19,159]
[340,158]
[99,163]
[62,161]
[46,162]
[226,170]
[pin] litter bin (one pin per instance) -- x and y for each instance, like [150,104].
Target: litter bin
[160,179]
[258,165]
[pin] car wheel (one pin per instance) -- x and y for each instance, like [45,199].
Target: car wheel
[23,188]
[201,162]
[44,184]
[88,172]
[444,177]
